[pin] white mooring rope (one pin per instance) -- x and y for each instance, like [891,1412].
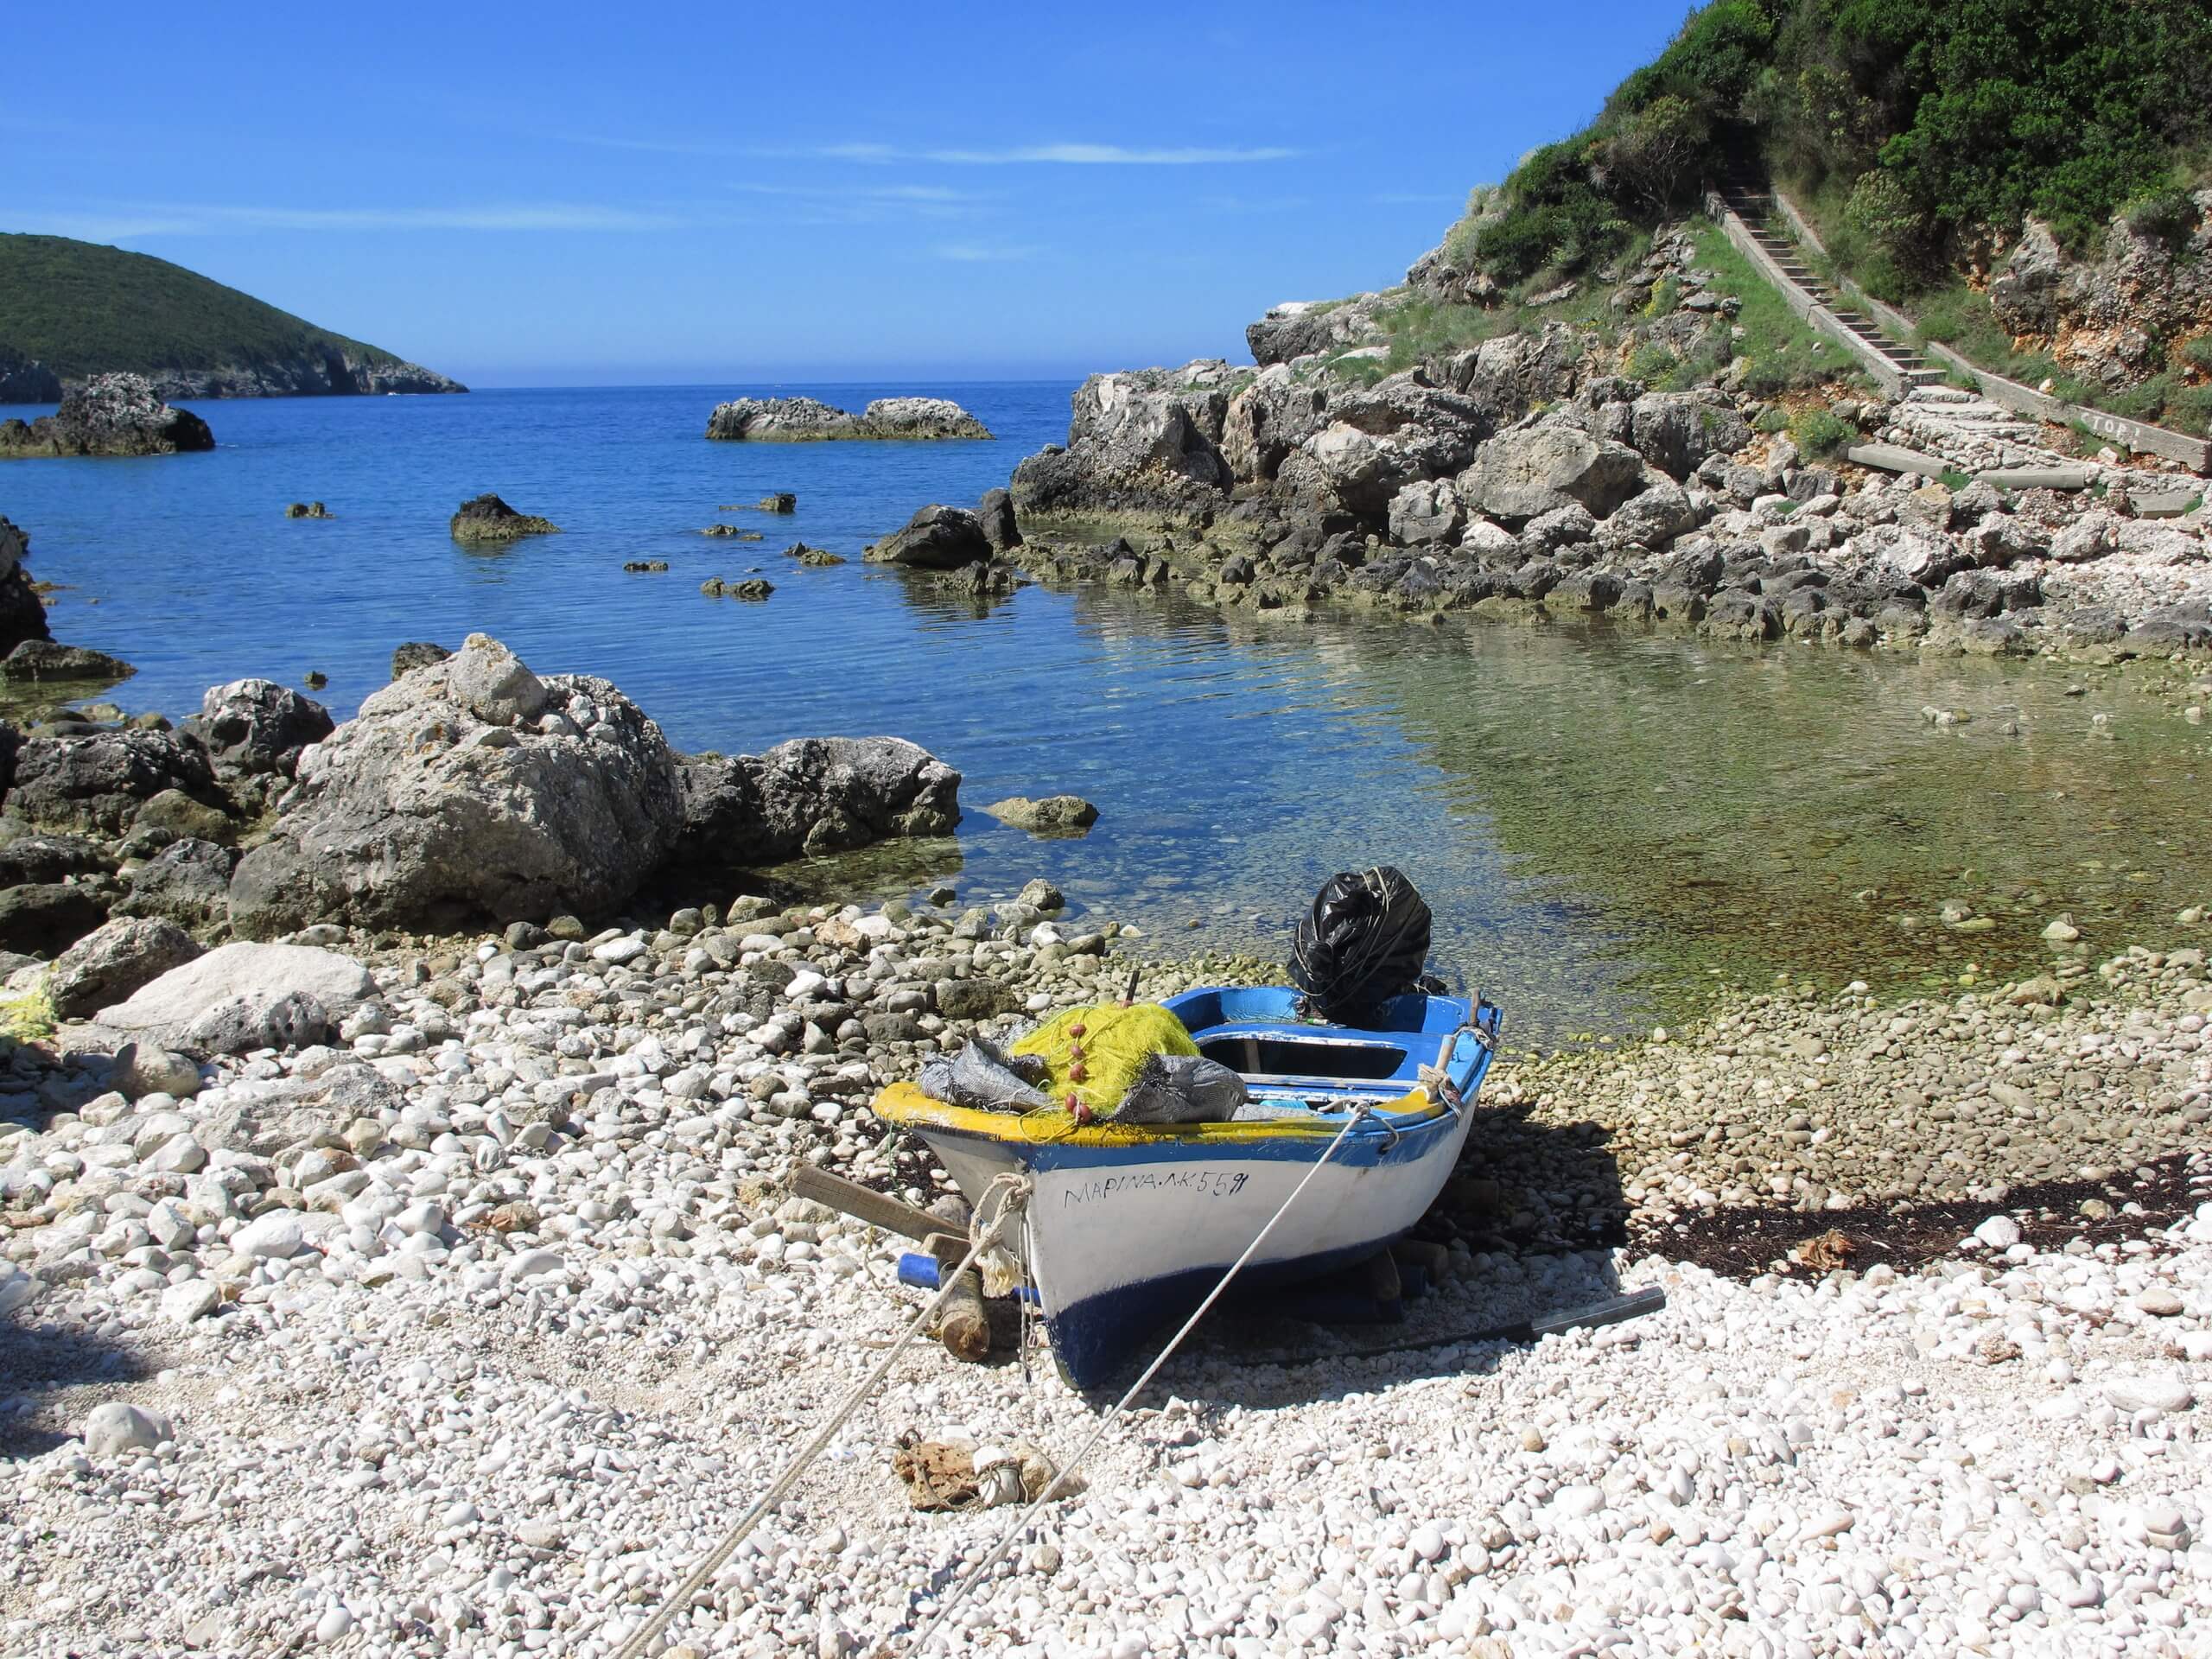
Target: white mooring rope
[1012,1191]
[1022,1521]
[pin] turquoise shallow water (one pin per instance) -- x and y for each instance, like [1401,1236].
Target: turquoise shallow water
[1603,823]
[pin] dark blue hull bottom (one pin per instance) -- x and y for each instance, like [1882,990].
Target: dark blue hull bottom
[1100,1335]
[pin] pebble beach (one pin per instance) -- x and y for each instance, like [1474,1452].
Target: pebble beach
[470,1331]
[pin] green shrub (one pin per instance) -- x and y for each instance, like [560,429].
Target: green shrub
[1818,432]
[1772,418]
[1940,121]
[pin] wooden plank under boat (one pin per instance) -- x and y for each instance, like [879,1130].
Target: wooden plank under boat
[1129,1226]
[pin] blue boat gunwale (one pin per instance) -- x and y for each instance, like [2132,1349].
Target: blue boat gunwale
[1383,1138]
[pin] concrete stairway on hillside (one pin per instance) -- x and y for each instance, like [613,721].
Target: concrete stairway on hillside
[1747,196]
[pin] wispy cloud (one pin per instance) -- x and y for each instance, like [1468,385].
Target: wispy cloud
[123,219]
[978,253]
[868,204]
[1065,155]
[1059,153]
[1254,204]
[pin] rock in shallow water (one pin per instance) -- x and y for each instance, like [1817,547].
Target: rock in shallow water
[109,415]
[486,519]
[1055,815]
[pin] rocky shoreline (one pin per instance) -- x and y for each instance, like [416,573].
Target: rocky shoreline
[447,1191]
[1535,477]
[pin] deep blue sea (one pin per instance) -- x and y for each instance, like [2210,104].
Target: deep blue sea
[1599,821]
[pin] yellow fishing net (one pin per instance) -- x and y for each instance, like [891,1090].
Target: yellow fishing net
[1095,1054]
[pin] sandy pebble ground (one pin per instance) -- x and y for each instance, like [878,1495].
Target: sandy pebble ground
[495,1394]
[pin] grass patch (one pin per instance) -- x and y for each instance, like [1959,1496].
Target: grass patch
[1786,354]
[1421,328]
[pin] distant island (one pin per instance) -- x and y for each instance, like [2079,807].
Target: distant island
[70,310]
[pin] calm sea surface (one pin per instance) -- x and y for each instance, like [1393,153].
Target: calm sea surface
[1605,825]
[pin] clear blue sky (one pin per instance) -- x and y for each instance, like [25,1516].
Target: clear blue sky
[548,193]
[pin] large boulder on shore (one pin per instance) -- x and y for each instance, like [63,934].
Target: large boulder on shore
[1675,431]
[114,961]
[466,790]
[109,415]
[254,726]
[96,781]
[1523,474]
[813,795]
[240,996]
[936,538]
[1148,441]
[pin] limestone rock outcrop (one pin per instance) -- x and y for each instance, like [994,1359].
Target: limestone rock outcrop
[118,415]
[809,420]
[466,789]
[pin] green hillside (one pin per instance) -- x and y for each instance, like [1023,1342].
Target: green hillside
[1927,126]
[82,309]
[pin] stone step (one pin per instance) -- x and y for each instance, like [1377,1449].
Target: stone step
[1889,458]
[2039,478]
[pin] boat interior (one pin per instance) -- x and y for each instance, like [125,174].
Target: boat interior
[1294,1066]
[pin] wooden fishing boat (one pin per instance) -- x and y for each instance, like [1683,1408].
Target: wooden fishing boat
[1127,1226]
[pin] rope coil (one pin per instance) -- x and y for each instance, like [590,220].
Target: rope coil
[1012,1191]
[1052,1488]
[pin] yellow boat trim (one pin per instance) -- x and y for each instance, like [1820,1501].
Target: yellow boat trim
[905,1104]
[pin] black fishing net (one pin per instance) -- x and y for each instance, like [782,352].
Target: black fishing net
[1365,941]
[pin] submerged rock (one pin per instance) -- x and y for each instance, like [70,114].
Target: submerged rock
[42,659]
[486,519]
[110,415]
[1055,815]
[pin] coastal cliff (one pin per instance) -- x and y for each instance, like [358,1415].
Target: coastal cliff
[71,310]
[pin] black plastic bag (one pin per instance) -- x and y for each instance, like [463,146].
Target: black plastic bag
[1365,941]
[1181,1089]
